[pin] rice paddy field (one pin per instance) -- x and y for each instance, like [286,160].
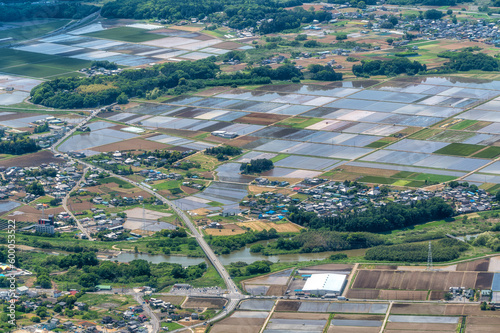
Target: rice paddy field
[434,128]
[396,132]
[132,45]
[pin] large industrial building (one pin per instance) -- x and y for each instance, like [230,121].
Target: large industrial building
[322,284]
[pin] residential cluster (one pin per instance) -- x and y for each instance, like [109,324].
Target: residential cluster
[327,198]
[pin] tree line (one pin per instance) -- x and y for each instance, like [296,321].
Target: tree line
[387,217]
[321,241]
[172,78]
[22,11]
[226,244]
[221,152]
[442,250]
[459,61]
[88,271]
[267,16]
[18,146]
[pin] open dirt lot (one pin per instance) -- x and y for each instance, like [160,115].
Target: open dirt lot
[148,214]
[31,214]
[34,159]
[176,300]
[204,302]
[262,225]
[132,144]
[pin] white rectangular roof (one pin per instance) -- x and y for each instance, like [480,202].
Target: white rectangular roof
[329,282]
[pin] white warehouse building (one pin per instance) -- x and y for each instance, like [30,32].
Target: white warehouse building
[322,284]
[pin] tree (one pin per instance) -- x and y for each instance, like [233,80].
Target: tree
[257,166]
[35,188]
[433,14]
[122,99]
[341,37]
[449,12]
[88,280]
[35,319]
[389,41]
[361,5]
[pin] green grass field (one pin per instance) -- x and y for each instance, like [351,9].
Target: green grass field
[425,133]
[459,149]
[490,152]
[379,143]
[168,185]
[463,124]
[126,34]
[279,157]
[118,181]
[377,180]
[433,178]
[299,122]
[171,326]
[452,136]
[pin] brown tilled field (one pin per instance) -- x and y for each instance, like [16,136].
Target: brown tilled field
[366,279]
[261,118]
[276,290]
[436,295]
[363,293]
[241,141]
[224,232]
[418,309]
[474,266]
[28,160]
[246,325]
[204,302]
[285,306]
[420,280]
[484,280]
[405,295]
[132,144]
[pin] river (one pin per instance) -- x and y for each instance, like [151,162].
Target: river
[241,255]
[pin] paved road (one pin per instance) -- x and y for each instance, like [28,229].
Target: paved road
[65,206]
[155,322]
